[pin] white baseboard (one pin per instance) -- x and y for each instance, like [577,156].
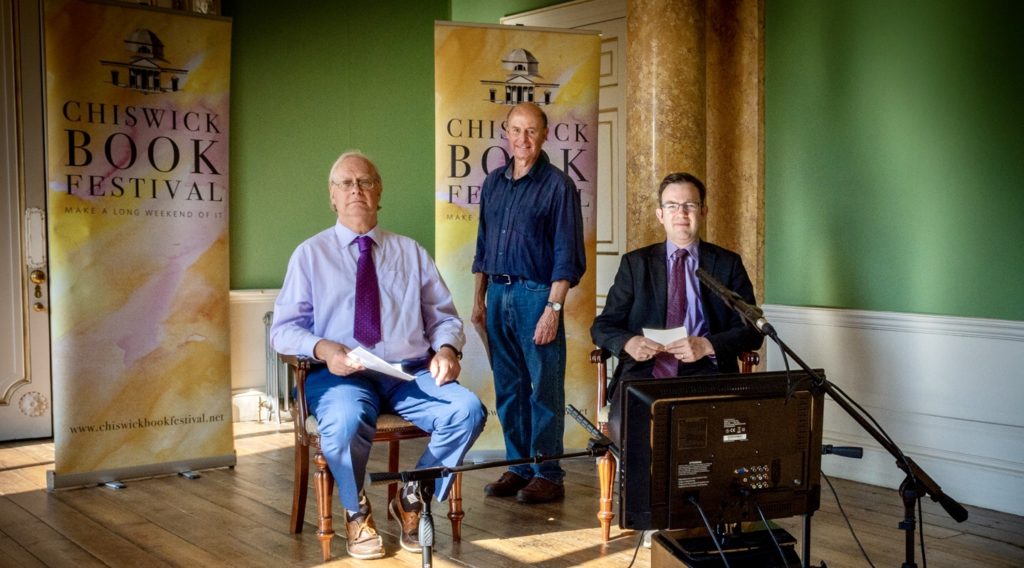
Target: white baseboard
[946,389]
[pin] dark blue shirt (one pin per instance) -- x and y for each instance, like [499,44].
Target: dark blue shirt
[531,227]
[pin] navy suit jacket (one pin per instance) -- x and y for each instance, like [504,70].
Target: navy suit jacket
[637,299]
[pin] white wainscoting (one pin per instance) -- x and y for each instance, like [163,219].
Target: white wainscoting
[948,390]
[248,353]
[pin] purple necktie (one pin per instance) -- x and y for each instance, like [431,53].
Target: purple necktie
[367,320]
[666,364]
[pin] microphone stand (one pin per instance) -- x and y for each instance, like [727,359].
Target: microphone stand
[598,445]
[916,484]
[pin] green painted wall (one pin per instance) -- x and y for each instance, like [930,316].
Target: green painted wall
[894,150]
[311,80]
[894,146]
[307,83]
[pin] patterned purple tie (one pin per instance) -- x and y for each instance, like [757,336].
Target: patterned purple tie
[666,364]
[367,320]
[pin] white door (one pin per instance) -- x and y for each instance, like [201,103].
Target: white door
[25,392]
[608,17]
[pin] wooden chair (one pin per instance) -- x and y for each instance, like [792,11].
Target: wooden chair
[391,428]
[606,466]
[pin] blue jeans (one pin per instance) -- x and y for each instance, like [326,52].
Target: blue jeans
[529,379]
[346,409]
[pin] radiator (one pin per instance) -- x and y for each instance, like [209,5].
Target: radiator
[279,385]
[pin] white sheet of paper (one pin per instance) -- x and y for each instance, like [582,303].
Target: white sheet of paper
[665,336]
[375,363]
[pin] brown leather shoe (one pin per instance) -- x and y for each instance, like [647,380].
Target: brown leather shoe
[540,490]
[506,486]
[363,541]
[410,522]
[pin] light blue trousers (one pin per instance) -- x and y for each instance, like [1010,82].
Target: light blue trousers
[346,409]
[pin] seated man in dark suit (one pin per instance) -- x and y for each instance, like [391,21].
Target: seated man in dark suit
[657,287]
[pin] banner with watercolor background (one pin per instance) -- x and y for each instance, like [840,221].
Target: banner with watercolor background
[137,153]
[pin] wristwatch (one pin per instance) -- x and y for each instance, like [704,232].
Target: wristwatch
[555,306]
[458,354]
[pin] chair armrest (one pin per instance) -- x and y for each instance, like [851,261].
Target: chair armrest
[299,367]
[600,357]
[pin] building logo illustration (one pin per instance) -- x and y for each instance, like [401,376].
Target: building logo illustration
[522,84]
[145,69]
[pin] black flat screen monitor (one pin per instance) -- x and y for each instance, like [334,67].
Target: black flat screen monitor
[728,443]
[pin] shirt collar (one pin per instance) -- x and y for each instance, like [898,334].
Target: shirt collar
[347,236]
[692,248]
[542,161]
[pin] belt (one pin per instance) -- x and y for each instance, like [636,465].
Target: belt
[413,366]
[505,279]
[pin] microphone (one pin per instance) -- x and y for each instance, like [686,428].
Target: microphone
[752,314]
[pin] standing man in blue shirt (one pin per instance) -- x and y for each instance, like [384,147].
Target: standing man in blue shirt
[357,285]
[529,252]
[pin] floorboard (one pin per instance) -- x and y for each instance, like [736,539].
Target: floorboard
[239,517]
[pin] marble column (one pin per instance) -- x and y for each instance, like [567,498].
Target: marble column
[666,118]
[695,103]
[735,132]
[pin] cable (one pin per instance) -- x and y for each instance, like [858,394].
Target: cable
[711,533]
[847,519]
[771,533]
[639,541]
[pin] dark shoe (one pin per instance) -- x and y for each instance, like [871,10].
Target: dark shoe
[363,541]
[506,486]
[410,526]
[540,490]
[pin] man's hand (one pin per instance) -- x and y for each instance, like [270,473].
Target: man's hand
[479,315]
[690,349]
[546,328]
[336,357]
[642,349]
[445,366]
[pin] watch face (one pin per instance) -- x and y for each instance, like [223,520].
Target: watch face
[555,306]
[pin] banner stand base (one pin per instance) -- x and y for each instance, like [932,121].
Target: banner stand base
[55,481]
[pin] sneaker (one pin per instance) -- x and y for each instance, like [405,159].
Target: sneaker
[540,490]
[506,486]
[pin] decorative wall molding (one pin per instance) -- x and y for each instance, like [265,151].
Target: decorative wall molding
[946,389]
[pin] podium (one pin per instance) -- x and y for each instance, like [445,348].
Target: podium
[678,549]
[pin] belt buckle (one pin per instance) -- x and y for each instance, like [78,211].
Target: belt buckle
[502,279]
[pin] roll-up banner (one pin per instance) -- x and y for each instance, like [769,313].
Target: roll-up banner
[137,160]
[480,72]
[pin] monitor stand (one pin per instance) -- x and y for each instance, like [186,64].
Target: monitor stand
[670,549]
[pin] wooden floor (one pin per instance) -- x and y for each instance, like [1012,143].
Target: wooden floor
[239,517]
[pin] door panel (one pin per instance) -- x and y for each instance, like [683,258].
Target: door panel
[25,391]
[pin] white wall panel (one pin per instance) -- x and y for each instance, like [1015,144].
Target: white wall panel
[948,390]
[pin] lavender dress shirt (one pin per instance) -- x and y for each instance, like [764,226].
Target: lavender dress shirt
[317,300]
[694,318]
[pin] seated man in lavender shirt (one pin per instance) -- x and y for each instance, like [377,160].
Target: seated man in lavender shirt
[357,285]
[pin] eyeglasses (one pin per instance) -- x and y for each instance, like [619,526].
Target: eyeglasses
[672,207]
[364,184]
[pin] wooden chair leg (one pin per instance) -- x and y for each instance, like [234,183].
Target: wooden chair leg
[455,513]
[324,483]
[299,487]
[393,450]
[606,479]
